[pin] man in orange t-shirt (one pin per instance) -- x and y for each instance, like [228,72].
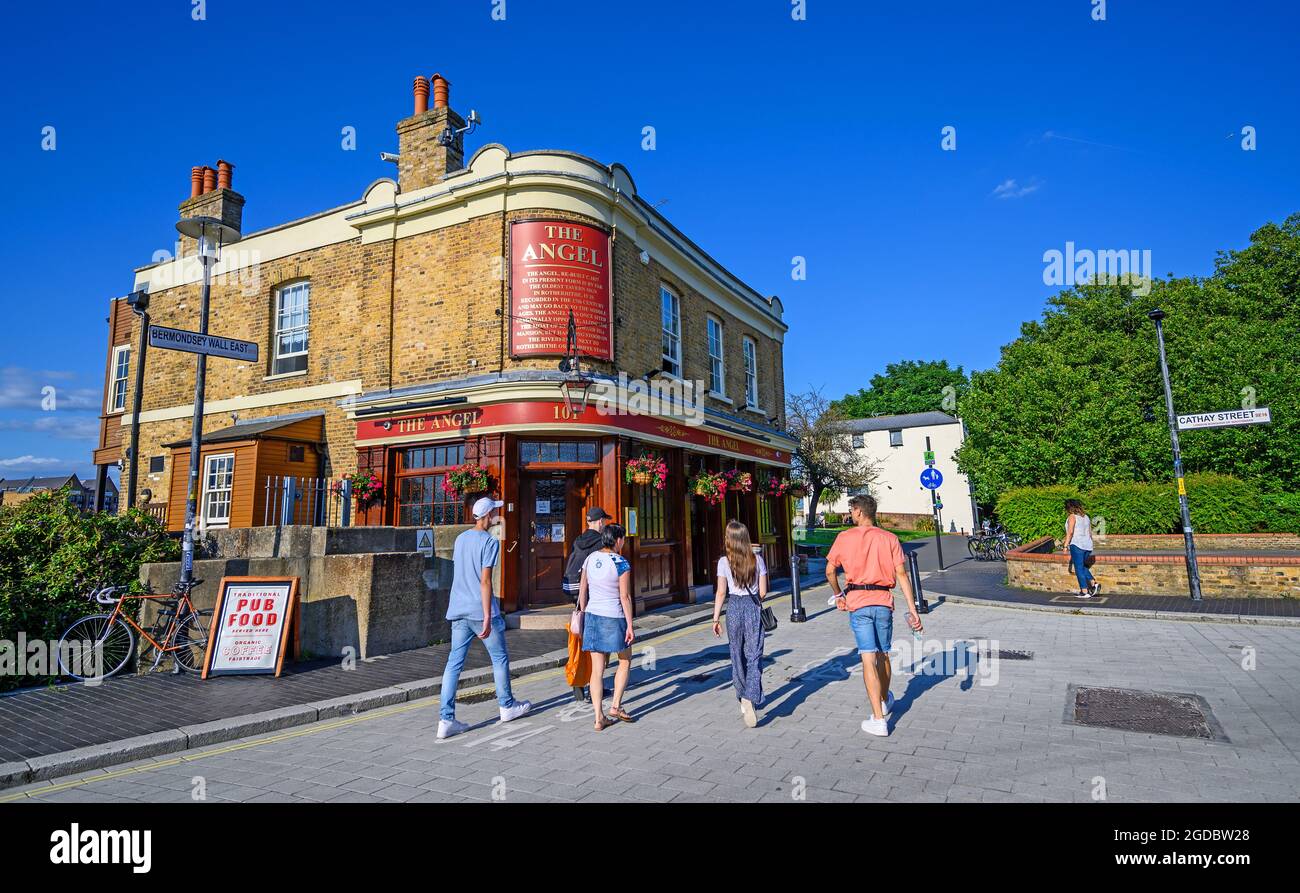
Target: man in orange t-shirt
[873,564]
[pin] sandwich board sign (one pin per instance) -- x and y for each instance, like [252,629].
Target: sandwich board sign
[424,541]
[251,623]
[195,342]
[1225,419]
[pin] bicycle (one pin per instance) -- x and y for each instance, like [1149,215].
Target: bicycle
[179,630]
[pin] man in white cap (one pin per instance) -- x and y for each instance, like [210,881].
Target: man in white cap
[475,611]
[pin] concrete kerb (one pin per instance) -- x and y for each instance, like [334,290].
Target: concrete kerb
[113,753]
[1093,611]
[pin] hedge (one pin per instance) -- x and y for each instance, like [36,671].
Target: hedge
[52,554]
[1218,503]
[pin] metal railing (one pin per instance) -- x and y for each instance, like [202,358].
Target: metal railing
[314,502]
[158,512]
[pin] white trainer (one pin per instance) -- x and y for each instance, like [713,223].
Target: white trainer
[747,711]
[888,705]
[877,727]
[518,710]
[449,727]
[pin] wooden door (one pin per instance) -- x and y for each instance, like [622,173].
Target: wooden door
[549,507]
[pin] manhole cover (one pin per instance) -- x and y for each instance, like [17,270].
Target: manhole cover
[1075,600]
[1151,712]
[1003,654]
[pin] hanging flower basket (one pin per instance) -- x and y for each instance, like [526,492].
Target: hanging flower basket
[465,480]
[366,487]
[709,484]
[739,481]
[646,470]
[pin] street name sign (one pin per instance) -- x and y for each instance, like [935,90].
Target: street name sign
[193,342]
[1226,418]
[931,478]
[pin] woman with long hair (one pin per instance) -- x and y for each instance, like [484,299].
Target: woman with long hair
[742,582]
[605,600]
[1078,539]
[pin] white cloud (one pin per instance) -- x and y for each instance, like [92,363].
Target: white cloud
[62,426]
[33,463]
[24,389]
[1012,189]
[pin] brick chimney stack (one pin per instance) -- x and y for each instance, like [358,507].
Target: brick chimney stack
[212,195]
[424,160]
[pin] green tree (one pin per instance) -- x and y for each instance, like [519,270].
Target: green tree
[909,386]
[825,459]
[1077,398]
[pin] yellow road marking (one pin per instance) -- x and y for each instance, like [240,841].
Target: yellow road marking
[379,713]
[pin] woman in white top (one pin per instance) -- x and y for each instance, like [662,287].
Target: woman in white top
[1078,539]
[605,598]
[742,581]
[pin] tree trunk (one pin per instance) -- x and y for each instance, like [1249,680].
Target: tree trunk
[814,495]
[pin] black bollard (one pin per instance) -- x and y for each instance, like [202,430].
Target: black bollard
[914,572]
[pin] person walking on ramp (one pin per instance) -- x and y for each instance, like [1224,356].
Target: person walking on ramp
[475,611]
[1078,537]
[742,581]
[873,564]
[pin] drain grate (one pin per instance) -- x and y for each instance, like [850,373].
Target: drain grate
[1003,654]
[1152,712]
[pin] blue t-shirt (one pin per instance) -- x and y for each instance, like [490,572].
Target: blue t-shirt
[474,550]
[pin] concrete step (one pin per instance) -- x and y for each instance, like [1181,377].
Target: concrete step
[552,617]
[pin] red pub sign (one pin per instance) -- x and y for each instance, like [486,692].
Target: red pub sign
[557,266]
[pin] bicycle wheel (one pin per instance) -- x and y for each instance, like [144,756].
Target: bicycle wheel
[191,642]
[971,546]
[96,647]
[1000,549]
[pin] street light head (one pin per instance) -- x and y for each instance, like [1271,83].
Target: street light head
[1156,315]
[208,229]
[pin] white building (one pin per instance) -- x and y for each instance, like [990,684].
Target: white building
[896,446]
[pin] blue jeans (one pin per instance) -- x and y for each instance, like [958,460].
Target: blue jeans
[1079,558]
[462,633]
[873,629]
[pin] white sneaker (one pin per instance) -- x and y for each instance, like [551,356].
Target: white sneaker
[520,708]
[747,711]
[449,727]
[888,705]
[877,727]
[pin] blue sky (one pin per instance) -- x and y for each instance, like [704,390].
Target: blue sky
[776,138]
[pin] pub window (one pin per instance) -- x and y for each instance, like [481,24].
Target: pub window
[751,373]
[534,452]
[651,505]
[896,437]
[766,526]
[717,377]
[857,441]
[671,321]
[421,498]
[218,488]
[292,316]
[117,388]
[156,464]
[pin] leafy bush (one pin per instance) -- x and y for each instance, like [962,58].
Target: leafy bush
[925,524]
[1036,511]
[52,554]
[1134,507]
[1222,504]
[832,519]
[1281,512]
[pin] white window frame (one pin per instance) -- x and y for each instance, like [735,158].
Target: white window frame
[750,349]
[116,383]
[717,359]
[209,491]
[892,441]
[298,323]
[671,331]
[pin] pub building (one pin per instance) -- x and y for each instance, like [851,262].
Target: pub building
[428,332]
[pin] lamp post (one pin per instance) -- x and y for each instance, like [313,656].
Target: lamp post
[1193,572]
[138,301]
[211,234]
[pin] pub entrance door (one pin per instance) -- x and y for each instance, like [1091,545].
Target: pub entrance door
[553,507]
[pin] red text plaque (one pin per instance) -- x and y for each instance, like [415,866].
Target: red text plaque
[557,266]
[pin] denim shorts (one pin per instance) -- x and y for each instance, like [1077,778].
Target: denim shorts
[603,635]
[873,627]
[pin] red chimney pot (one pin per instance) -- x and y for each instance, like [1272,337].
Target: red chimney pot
[225,173]
[209,180]
[421,94]
[441,91]
[196,182]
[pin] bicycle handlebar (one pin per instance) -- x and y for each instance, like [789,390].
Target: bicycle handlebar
[105,595]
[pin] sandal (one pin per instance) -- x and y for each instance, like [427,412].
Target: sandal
[603,723]
[620,714]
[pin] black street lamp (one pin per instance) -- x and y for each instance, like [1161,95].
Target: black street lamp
[1193,572]
[211,234]
[138,301]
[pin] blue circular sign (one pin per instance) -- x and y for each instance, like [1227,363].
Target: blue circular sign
[931,479]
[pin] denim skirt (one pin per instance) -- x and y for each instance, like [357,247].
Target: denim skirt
[603,634]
